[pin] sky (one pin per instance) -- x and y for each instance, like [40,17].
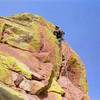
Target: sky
[80,20]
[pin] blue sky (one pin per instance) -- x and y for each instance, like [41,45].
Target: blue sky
[80,19]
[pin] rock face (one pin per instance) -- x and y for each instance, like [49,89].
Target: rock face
[36,63]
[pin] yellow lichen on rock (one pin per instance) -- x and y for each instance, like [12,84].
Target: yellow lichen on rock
[11,64]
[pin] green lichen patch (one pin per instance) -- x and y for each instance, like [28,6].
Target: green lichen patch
[53,42]
[76,66]
[55,87]
[5,75]
[2,24]
[7,93]
[36,41]
[12,64]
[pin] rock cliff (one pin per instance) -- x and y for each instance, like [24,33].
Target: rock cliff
[36,63]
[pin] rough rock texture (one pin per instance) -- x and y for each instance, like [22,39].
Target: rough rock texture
[36,63]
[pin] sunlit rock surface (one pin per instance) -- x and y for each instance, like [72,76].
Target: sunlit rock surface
[36,63]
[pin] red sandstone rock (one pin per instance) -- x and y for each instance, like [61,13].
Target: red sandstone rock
[36,63]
